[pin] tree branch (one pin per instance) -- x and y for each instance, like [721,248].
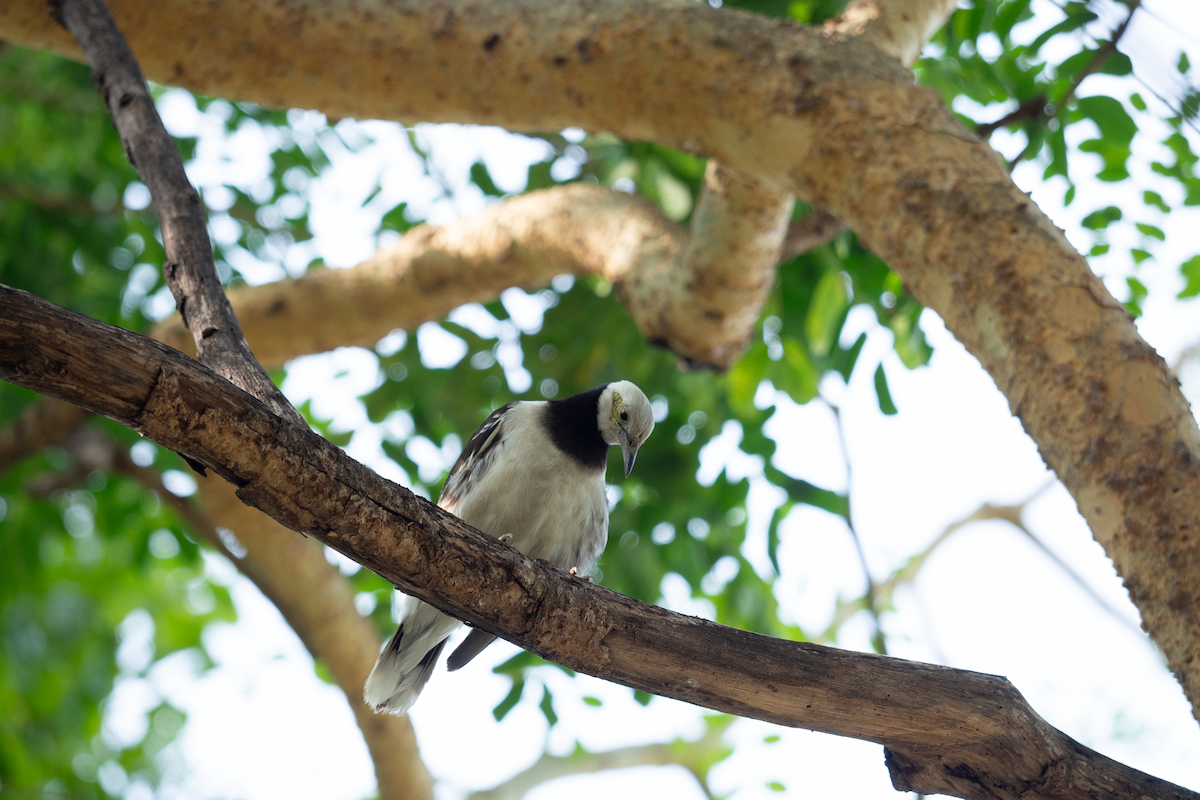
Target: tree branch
[696,757]
[836,123]
[814,229]
[946,731]
[41,424]
[707,301]
[189,270]
[524,241]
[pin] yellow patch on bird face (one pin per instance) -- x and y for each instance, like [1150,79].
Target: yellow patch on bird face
[618,404]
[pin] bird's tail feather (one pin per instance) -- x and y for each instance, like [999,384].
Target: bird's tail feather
[472,646]
[407,660]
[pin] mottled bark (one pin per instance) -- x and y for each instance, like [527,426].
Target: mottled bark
[946,731]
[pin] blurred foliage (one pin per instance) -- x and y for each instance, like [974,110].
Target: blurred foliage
[1031,76]
[89,555]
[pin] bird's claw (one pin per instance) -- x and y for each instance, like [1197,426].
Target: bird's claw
[575,571]
[506,538]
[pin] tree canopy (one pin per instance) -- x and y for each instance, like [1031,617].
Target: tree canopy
[634,254]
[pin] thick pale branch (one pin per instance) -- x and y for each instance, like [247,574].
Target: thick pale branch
[947,731]
[899,28]
[525,241]
[318,604]
[704,305]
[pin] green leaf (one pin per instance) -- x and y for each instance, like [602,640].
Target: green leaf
[794,373]
[1184,65]
[1116,64]
[396,219]
[1110,117]
[1099,220]
[1071,23]
[844,360]
[1151,231]
[772,739]
[1139,255]
[1099,249]
[1137,102]
[1191,271]
[547,707]
[642,698]
[481,178]
[511,699]
[1137,293]
[1057,143]
[801,491]
[1155,199]
[776,786]
[825,312]
[595,702]
[881,391]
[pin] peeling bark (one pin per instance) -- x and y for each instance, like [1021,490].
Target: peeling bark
[946,731]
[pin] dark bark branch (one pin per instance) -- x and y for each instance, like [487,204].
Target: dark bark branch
[189,271]
[947,731]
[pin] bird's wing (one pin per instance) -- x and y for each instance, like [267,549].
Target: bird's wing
[471,646]
[476,457]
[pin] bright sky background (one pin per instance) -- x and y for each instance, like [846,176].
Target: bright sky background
[261,725]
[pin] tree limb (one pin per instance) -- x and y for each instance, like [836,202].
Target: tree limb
[946,731]
[696,757]
[524,241]
[41,424]
[189,270]
[838,124]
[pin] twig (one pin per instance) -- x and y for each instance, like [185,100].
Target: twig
[696,757]
[1036,107]
[871,599]
[808,233]
[189,270]
[1027,110]
[1106,50]
[907,574]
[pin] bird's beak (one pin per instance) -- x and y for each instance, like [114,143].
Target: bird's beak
[628,450]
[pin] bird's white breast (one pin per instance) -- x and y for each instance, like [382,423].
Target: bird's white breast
[555,508]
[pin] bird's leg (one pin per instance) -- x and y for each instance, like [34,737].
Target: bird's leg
[506,538]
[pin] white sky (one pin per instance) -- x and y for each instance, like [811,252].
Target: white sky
[261,725]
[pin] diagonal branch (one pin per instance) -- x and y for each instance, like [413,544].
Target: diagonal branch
[946,731]
[189,271]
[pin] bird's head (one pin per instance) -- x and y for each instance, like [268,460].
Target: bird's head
[626,419]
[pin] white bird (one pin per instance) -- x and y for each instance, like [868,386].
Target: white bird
[534,471]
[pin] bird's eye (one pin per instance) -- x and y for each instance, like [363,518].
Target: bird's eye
[624,415]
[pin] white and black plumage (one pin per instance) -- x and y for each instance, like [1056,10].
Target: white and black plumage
[535,471]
